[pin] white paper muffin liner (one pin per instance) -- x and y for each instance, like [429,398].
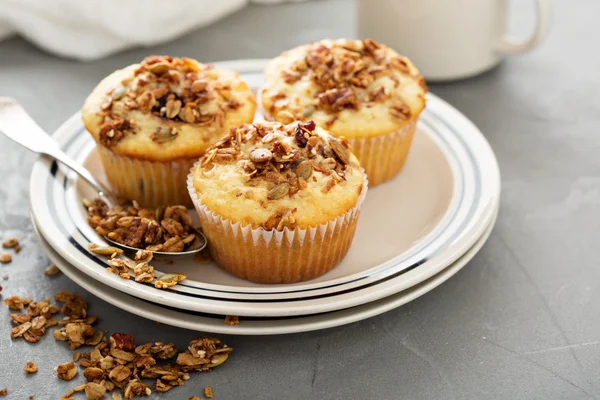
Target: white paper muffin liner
[149,183]
[274,256]
[382,157]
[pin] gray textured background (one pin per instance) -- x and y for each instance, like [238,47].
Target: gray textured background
[521,321]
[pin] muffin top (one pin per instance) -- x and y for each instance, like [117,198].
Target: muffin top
[166,108]
[273,176]
[355,88]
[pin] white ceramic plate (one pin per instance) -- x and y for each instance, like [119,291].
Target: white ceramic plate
[257,326]
[410,229]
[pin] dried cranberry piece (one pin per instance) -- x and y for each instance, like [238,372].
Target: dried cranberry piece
[299,135]
[310,125]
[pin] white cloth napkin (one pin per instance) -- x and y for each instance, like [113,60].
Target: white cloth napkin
[92,29]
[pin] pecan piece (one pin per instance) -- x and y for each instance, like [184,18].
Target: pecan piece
[122,341]
[338,98]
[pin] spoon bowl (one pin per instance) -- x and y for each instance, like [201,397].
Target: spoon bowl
[197,245]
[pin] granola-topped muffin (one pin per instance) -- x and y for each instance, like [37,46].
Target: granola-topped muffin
[278,203]
[152,120]
[359,89]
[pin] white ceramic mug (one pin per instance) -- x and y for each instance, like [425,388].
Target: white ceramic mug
[448,39]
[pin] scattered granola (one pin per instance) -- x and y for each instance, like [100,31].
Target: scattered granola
[66,371]
[31,326]
[51,270]
[30,367]
[208,392]
[115,362]
[122,364]
[10,243]
[232,320]
[5,258]
[162,229]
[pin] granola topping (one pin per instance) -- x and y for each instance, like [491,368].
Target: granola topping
[278,156]
[272,163]
[176,89]
[333,76]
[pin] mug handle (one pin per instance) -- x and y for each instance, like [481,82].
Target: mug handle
[511,45]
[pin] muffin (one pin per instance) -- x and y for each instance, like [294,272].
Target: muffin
[359,89]
[278,203]
[151,121]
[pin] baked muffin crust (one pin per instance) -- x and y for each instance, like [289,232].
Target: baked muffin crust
[274,176]
[166,108]
[355,88]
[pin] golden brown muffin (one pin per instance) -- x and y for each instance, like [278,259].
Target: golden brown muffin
[278,203]
[153,120]
[359,89]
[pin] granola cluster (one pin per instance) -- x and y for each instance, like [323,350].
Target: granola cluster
[348,74]
[31,325]
[114,361]
[176,89]
[284,159]
[162,229]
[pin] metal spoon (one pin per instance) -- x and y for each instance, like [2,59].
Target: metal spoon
[17,125]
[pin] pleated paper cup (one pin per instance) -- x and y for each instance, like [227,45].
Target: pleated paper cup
[273,256]
[383,156]
[148,182]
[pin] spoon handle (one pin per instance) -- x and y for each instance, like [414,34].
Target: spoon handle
[17,125]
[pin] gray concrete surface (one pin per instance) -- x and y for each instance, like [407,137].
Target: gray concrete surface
[521,321]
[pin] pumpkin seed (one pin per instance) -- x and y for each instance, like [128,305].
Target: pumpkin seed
[104,251]
[118,92]
[341,151]
[86,203]
[279,191]
[217,359]
[304,170]
[260,155]
[170,278]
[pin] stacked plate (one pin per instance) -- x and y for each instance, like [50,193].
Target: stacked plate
[414,233]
